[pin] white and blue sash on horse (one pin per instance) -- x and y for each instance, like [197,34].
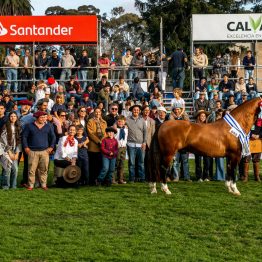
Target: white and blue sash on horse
[237,131]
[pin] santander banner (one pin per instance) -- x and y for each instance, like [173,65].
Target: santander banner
[48,29]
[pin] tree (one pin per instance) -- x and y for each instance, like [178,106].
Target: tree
[176,16]
[81,10]
[15,7]
[123,30]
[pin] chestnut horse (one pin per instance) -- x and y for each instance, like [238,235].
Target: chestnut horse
[213,139]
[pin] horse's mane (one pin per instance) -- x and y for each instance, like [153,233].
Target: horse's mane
[250,106]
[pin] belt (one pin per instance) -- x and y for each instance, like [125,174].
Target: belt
[134,145]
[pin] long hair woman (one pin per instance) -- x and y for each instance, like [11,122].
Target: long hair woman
[96,128]
[10,143]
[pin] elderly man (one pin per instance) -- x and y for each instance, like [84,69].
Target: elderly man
[161,116]
[150,129]
[38,140]
[181,155]
[111,118]
[136,143]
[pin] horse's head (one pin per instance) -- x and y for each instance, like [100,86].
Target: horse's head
[247,113]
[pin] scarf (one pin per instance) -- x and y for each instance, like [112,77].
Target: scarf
[99,129]
[122,133]
[70,140]
[237,131]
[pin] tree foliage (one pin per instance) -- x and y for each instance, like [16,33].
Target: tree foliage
[124,30]
[81,10]
[15,7]
[176,15]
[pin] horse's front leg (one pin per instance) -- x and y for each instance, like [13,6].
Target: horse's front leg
[228,177]
[232,173]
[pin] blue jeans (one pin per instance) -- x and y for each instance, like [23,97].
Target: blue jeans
[252,94]
[225,95]
[178,77]
[131,75]
[248,73]
[184,162]
[83,164]
[220,171]
[11,74]
[136,153]
[197,93]
[43,74]
[108,168]
[9,179]
[238,97]
[65,74]
[82,75]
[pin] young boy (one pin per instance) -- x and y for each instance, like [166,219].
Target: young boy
[121,137]
[109,149]
[82,157]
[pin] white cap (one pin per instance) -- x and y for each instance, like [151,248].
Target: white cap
[161,108]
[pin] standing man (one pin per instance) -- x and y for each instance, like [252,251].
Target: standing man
[67,63]
[126,61]
[249,62]
[136,143]
[55,62]
[12,62]
[26,62]
[198,63]
[179,59]
[83,63]
[150,130]
[38,141]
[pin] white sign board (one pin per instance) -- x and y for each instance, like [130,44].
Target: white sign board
[230,27]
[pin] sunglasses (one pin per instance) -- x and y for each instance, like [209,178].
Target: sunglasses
[114,108]
[83,111]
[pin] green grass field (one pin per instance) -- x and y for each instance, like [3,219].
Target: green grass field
[198,222]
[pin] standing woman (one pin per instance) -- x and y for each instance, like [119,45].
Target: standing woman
[82,118]
[96,128]
[10,142]
[202,174]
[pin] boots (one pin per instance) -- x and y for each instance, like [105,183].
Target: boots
[256,171]
[245,169]
[120,176]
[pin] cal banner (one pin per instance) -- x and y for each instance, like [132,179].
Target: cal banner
[227,27]
[21,29]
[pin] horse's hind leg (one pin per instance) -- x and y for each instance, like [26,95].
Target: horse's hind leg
[165,167]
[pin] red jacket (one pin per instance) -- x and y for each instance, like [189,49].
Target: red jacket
[109,145]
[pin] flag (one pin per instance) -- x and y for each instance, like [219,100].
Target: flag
[124,52]
[113,56]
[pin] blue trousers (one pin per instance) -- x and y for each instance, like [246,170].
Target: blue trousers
[136,155]
[220,171]
[184,162]
[108,168]
[178,77]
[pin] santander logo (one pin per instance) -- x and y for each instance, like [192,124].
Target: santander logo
[3,31]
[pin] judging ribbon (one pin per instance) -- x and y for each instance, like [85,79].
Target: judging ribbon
[237,131]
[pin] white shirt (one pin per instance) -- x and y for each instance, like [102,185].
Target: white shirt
[66,151]
[122,142]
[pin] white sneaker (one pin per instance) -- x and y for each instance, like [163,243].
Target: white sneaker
[206,180]
[200,180]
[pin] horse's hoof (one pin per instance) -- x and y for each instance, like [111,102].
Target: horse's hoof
[236,193]
[154,191]
[166,190]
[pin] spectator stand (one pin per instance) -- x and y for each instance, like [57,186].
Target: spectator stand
[234,30]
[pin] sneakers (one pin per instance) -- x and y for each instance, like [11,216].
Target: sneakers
[45,188]
[206,180]
[29,188]
[200,180]
[121,182]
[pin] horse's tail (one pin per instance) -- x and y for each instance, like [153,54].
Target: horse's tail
[154,159]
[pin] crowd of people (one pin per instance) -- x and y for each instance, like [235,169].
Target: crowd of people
[96,125]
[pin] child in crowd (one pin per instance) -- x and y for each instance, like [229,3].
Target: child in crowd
[82,156]
[109,150]
[40,90]
[121,137]
[59,105]
[126,111]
